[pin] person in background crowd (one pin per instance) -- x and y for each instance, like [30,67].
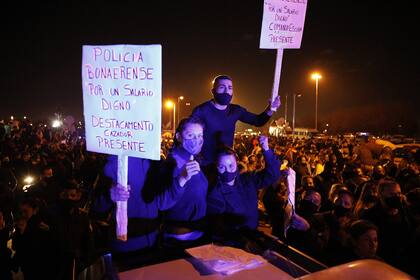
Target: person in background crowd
[329,229]
[410,178]
[300,236]
[62,166]
[302,169]
[309,205]
[46,189]
[72,233]
[378,173]
[386,159]
[306,183]
[356,179]
[326,179]
[5,253]
[413,203]
[252,163]
[32,243]
[243,164]
[275,201]
[363,241]
[394,226]
[368,198]
[329,203]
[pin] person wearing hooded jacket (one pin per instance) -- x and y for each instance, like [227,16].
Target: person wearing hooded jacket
[232,204]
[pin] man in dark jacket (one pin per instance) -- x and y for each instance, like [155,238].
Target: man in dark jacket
[220,117]
[394,226]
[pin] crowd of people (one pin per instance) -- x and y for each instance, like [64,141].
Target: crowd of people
[351,202]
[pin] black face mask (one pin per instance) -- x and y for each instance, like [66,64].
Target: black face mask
[377,176]
[227,177]
[49,180]
[306,207]
[341,211]
[222,98]
[370,198]
[67,204]
[393,202]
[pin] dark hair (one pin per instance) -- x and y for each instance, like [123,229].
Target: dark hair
[335,189]
[417,157]
[308,192]
[342,192]
[31,202]
[386,184]
[413,197]
[71,185]
[225,151]
[304,177]
[360,227]
[220,77]
[183,124]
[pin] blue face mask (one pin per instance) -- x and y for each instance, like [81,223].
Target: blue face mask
[192,146]
[227,177]
[222,98]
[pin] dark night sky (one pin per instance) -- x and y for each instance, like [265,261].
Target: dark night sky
[367,54]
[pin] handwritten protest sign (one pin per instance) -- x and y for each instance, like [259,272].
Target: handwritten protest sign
[282,25]
[122,100]
[282,28]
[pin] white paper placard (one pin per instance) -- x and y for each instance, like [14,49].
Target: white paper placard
[282,25]
[122,99]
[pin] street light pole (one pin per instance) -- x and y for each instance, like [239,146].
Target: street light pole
[294,111]
[285,111]
[316,77]
[169,105]
[316,104]
[174,118]
[179,108]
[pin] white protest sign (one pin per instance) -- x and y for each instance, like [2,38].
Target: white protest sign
[291,185]
[282,25]
[282,28]
[122,99]
[290,206]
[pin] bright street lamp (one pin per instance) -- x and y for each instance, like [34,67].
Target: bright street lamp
[169,105]
[316,77]
[294,111]
[56,123]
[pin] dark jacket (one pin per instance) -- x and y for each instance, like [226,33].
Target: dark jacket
[220,126]
[237,206]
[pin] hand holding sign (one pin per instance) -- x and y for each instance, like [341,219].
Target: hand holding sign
[274,104]
[119,193]
[121,214]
